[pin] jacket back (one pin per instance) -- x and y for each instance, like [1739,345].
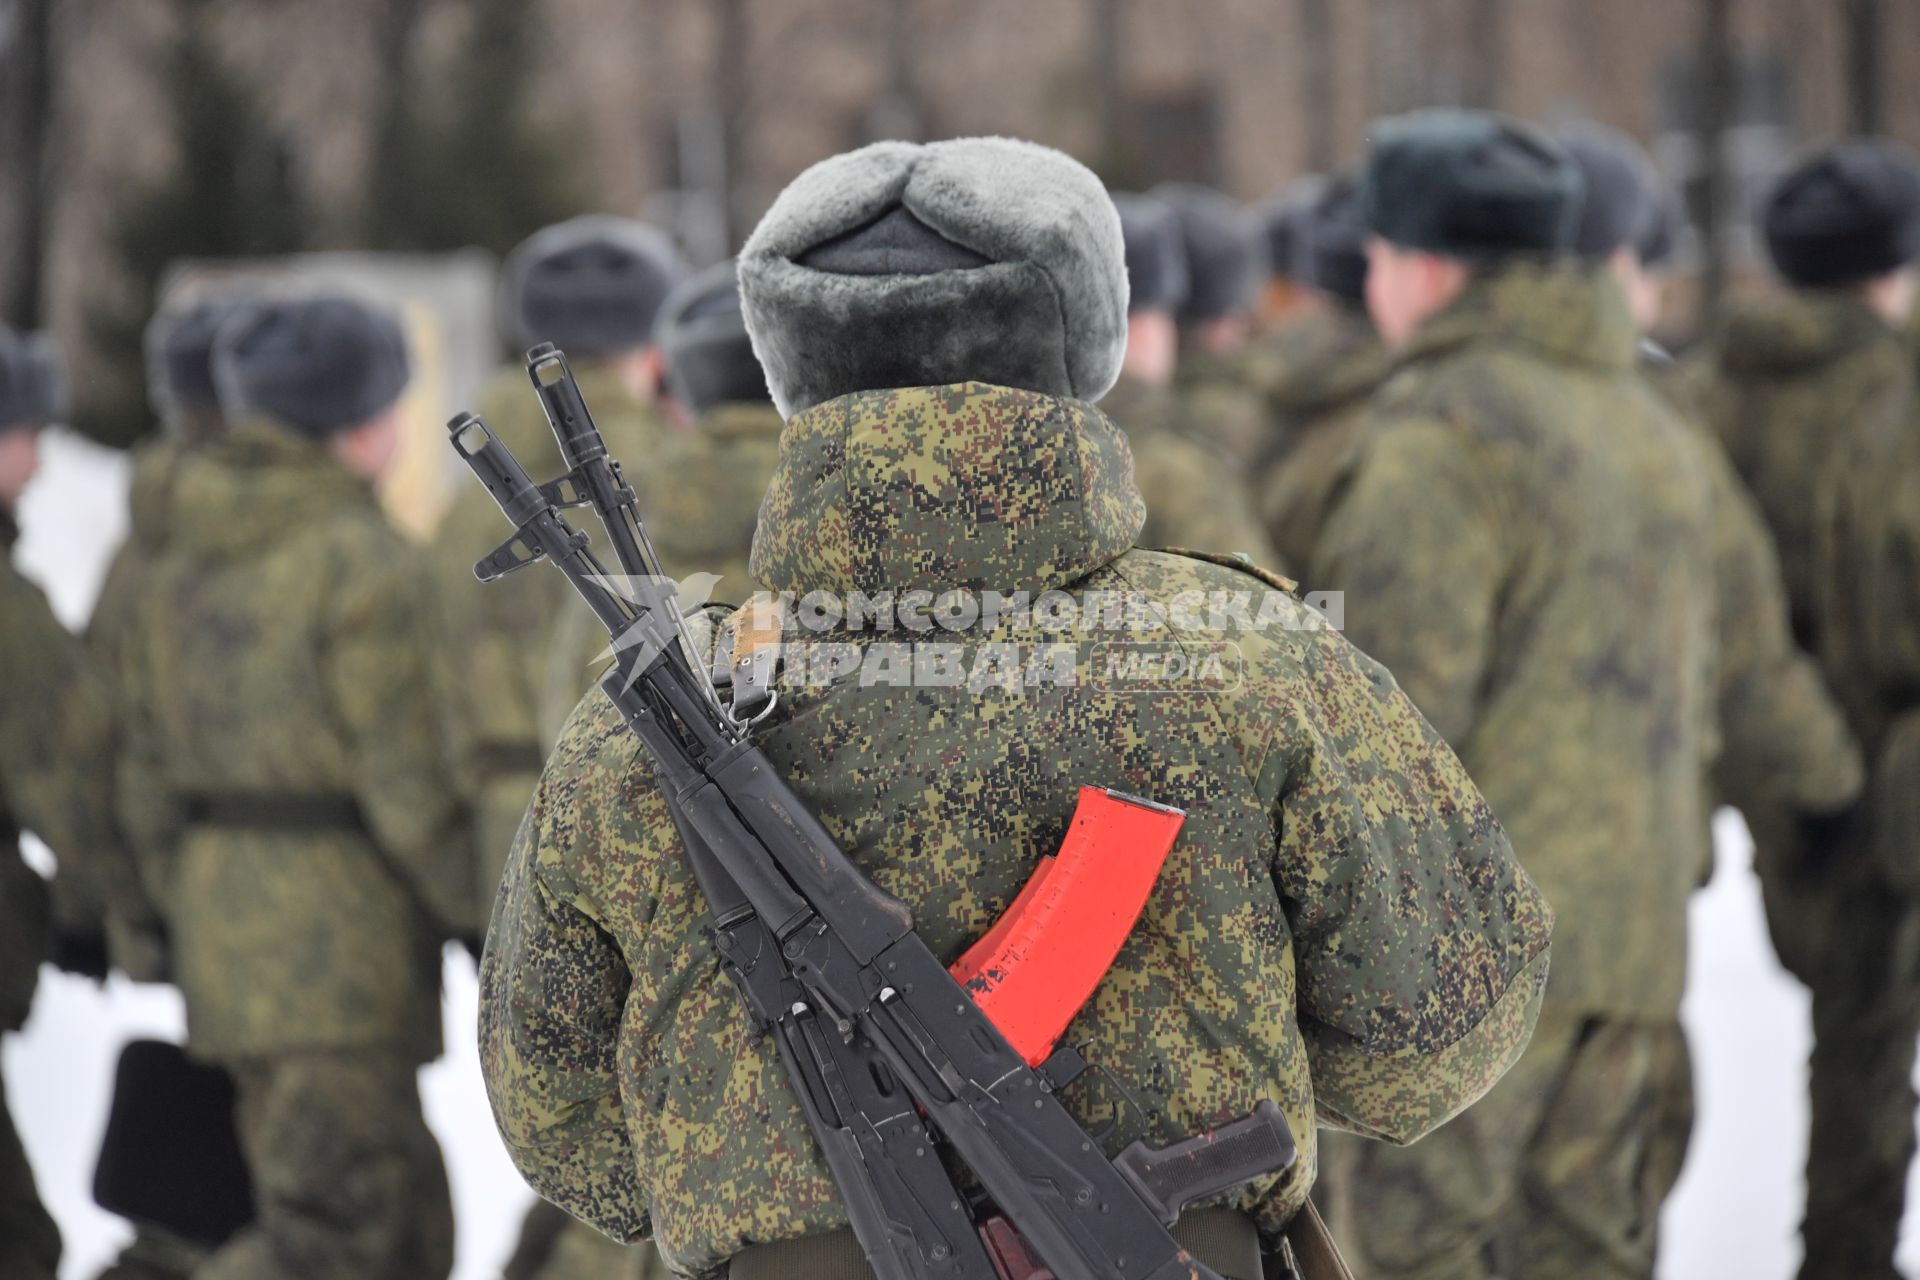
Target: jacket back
[1524,541]
[280,660]
[1341,927]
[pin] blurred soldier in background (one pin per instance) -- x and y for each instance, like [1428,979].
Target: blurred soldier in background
[1282,218]
[1226,266]
[1812,390]
[1785,754]
[1524,542]
[314,855]
[179,356]
[1195,494]
[1321,371]
[56,738]
[1829,349]
[179,352]
[592,286]
[1290,953]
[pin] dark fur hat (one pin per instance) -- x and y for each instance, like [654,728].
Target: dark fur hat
[319,364]
[1471,185]
[1847,213]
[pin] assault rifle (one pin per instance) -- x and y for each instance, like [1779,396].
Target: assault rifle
[893,1058]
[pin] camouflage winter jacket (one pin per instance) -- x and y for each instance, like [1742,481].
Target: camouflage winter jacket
[700,496]
[284,769]
[1867,559]
[1341,927]
[111,627]
[497,634]
[1784,749]
[56,780]
[1319,390]
[1196,496]
[1221,401]
[1524,542]
[1781,385]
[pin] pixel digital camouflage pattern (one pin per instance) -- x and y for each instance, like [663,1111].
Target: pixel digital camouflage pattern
[1342,928]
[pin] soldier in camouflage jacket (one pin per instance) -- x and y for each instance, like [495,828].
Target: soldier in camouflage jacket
[289,787]
[1523,539]
[1342,927]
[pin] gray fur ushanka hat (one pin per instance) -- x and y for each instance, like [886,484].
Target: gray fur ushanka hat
[319,364]
[704,339]
[33,382]
[592,285]
[179,350]
[1470,185]
[1845,214]
[1156,256]
[905,264]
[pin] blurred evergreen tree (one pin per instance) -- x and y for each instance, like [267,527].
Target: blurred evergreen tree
[459,160]
[232,192]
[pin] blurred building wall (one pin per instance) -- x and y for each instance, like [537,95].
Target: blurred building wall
[695,112]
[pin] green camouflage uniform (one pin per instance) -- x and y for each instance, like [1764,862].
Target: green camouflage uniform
[1784,747]
[1797,384]
[1851,913]
[1322,371]
[1194,497]
[286,781]
[1524,542]
[1773,385]
[55,741]
[1220,399]
[497,635]
[1342,928]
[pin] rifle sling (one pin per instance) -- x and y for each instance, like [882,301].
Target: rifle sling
[1224,1239]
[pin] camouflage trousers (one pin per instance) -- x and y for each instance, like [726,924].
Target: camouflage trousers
[1558,1172]
[1855,942]
[348,1183]
[29,1242]
[554,1245]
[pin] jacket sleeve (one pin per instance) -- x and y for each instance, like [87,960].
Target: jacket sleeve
[56,766]
[1417,543]
[553,988]
[1782,735]
[374,661]
[1420,942]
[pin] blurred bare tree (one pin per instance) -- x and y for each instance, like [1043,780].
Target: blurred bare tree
[1866,95]
[233,191]
[26,54]
[458,158]
[1714,116]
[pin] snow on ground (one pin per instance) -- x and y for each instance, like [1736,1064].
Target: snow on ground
[1734,1214]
